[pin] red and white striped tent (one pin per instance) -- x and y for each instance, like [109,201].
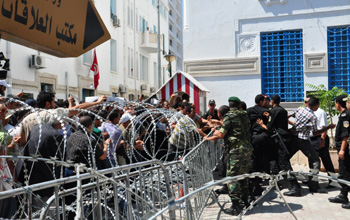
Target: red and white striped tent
[184,82]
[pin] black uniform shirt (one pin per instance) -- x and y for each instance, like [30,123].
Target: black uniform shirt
[254,113]
[213,116]
[342,129]
[278,120]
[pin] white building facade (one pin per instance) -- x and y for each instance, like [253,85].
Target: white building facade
[176,31]
[128,62]
[244,48]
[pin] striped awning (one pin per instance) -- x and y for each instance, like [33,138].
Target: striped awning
[183,82]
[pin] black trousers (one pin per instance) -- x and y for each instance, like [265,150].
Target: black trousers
[264,159]
[265,154]
[308,150]
[323,153]
[344,171]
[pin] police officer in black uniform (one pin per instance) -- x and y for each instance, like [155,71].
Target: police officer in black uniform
[261,142]
[341,137]
[278,128]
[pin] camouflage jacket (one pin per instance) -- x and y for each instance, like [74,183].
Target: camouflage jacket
[236,127]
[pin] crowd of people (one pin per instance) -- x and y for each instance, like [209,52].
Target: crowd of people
[264,138]
[103,134]
[99,134]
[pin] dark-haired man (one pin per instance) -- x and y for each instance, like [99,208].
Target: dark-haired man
[341,137]
[321,142]
[115,134]
[261,142]
[79,142]
[46,100]
[305,123]
[212,112]
[278,128]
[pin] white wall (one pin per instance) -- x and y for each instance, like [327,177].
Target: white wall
[215,30]
[27,78]
[221,88]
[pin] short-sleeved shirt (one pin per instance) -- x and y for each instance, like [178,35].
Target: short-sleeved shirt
[342,129]
[236,127]
[182,133]
[46,116]
[213,116]
[321,116]
[305,122]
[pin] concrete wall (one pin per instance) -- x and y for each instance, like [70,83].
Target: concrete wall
[218,34]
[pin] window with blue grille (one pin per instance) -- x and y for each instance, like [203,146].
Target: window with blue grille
[339,57]
[282,65]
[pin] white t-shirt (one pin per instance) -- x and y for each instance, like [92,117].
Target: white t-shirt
[321,119]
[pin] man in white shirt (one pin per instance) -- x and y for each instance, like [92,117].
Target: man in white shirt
[321,142]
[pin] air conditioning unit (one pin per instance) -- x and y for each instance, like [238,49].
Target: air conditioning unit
[37,62]
[122,88]
[143,87]
[153,89]
[116,21]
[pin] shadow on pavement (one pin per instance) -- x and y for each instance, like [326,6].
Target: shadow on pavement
[273,205]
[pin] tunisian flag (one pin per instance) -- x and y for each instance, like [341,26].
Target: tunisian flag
[94,68]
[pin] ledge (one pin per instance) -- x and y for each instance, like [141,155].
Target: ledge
[274,2]
[223,67]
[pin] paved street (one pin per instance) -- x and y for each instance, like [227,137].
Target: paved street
[309,206]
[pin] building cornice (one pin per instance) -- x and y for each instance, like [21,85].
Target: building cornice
[223,67]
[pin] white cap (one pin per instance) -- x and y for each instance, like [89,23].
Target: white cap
[154,101]
[3,83]
[126,117]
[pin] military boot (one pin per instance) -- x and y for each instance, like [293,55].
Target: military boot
[222,190]
[294,189]
[235,209]
[341,198]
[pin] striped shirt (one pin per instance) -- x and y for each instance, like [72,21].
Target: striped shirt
[305,122]
[80,148]
[183,133]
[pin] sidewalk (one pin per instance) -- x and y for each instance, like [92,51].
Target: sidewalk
[314,206]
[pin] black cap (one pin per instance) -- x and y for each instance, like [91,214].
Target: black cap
[211,101]
[340,99]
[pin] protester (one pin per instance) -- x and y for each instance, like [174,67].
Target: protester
[305,123]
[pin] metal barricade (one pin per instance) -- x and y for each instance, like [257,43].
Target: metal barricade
[199,164]
[273,179]
[135,191]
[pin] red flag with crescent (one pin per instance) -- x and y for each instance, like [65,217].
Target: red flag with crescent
[94,68]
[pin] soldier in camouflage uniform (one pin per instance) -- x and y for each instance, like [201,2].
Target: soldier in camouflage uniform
[236,133]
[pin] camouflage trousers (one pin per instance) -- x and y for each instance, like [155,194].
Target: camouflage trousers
[238,164]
